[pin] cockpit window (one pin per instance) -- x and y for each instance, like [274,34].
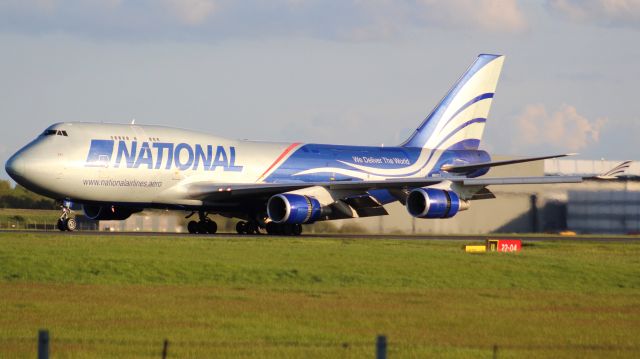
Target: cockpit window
[55,132]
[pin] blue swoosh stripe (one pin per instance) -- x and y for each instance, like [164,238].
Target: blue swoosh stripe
[434,150]
[471,102]
[470,122]
[467,144]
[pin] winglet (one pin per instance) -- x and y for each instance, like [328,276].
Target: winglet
[616,171]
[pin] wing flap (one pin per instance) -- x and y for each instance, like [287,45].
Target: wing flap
[483,193]
[366,206]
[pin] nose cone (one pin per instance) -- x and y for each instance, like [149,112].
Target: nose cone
[15,167]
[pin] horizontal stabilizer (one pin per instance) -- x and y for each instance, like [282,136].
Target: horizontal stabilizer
[482,165]
[615,172]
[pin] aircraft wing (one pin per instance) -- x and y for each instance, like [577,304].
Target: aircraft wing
[221,192]
[231,191]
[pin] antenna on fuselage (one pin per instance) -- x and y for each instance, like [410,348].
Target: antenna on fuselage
[133,121]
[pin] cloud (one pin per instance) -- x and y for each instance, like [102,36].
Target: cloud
[616,13]
[490,15]
[191,12]
[563,129]
[214,20]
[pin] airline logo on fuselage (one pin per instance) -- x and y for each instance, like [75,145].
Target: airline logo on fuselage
[161,155]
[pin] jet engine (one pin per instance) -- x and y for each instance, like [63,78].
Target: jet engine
[434,203]
[108,213]
[293,208]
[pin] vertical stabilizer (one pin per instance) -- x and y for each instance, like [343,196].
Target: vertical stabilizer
[457,122]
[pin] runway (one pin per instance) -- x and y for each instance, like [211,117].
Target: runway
[417,237]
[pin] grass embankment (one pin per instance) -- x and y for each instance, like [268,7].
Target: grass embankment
[296,297]
[11,218]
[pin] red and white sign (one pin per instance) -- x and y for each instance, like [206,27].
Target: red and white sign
[509,245]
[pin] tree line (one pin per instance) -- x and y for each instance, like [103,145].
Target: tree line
[20,197]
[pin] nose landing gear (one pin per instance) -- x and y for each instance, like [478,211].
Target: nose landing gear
[204,226]
[66,222]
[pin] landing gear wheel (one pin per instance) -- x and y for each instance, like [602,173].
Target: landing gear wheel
[60,225]
[192,227]
[212,227]
[71,224]
[297,229]
[251,228]
[202,227]
[207,226]
[241,227]
[287,229]
[272,228]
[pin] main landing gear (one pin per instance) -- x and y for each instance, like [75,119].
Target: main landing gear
[204,226]
[66,222]
[249,227]
[284,229]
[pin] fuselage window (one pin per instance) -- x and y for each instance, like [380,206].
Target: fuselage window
[49,133]
[64,133]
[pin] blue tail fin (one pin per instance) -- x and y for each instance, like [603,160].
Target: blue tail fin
[457,122]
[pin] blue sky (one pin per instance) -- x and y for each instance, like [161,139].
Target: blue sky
[343,71]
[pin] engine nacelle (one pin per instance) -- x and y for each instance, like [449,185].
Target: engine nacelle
[293,208]
[434,203]
[108,213]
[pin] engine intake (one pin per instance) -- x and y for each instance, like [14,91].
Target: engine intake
[108,213]
[293,208]
[434,203]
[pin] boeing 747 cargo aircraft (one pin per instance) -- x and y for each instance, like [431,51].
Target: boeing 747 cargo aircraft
[115,170]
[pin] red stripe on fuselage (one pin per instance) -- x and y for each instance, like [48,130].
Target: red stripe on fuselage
[284,153]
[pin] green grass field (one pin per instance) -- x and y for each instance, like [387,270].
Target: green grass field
[254,297]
